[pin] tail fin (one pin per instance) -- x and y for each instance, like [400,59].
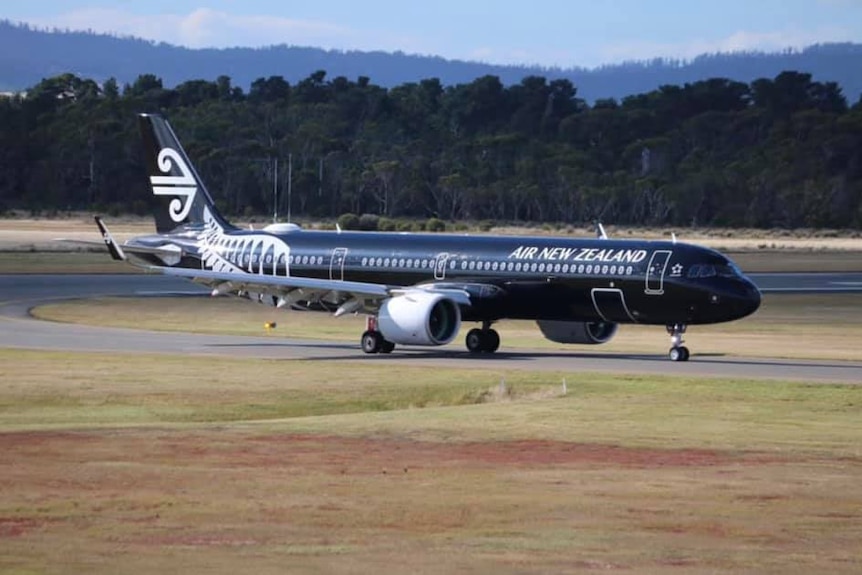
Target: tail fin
[181,197]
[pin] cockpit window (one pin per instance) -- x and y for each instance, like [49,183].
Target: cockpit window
[727,270]
[701,271]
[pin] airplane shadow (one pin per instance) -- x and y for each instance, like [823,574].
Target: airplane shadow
[291,345]
[407,355]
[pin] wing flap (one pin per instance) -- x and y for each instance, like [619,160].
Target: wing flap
[284,286]
[256,282]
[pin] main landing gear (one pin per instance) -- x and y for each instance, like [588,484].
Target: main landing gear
[678,352]
[485,340]
[372,341]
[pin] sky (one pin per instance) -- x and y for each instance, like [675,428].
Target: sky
[562,33]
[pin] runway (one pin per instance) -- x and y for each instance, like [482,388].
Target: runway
[19,293]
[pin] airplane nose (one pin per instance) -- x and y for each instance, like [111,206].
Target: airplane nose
[751,300]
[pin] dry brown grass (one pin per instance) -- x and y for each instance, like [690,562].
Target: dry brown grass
[635,474]
[221,501]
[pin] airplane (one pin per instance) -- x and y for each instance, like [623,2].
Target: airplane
[418,288]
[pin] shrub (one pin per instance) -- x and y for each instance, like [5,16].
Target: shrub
[435,225]
[348,221]
[368,222]
[387,225]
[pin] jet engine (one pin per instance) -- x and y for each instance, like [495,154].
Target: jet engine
[419,318]
[593,332]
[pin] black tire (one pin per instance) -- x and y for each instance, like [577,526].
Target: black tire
[492,341]
[387,346]
[371,342]
[680,353]
[475,340]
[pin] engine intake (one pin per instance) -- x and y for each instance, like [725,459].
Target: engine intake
[419,318]
[590,333]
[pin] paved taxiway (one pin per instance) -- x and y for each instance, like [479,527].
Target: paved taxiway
[19,293]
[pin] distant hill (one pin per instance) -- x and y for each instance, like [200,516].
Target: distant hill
[28,55]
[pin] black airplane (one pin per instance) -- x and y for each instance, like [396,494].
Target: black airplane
[417,289]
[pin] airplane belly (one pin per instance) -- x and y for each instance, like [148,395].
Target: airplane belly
[547,300]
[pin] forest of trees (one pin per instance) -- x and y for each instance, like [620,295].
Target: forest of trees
[780,152]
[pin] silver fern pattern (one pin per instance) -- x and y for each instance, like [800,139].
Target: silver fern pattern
[250,253]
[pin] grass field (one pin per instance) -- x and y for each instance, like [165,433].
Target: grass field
[141,463]
[145,463]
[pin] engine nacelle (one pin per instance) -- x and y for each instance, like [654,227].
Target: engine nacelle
[593,332]
[419,318]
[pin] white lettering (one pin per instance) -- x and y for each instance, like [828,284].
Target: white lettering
[604,255]
[524,253]
[585,255]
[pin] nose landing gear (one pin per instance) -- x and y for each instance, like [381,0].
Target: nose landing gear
[678,352]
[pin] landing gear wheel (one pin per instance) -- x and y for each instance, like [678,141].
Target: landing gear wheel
[679,353]
[492,341]
[372,342]
[387,346]
[482,340]
[475,340]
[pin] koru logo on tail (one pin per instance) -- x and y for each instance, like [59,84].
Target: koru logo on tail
[183,186]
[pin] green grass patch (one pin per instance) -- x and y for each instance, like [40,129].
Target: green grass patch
[39,262]
[79,390]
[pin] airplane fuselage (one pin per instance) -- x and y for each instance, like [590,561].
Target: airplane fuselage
[540,278]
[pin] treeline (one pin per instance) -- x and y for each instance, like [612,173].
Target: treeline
[783,152]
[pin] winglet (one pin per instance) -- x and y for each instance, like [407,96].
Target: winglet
[113,246]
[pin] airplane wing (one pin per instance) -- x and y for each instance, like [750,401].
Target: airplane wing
[355,295]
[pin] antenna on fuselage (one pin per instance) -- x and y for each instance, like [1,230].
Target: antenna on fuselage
[673,236]
[600,231]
